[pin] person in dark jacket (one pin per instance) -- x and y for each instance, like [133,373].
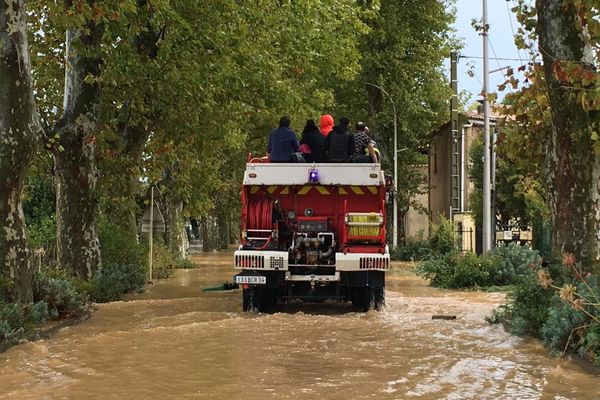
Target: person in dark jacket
[314,140]
[283,142]
[339,144]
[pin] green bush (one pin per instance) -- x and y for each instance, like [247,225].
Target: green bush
[119,246]
[438,270]
[185,263]
[505,265]
[512,263]
[456,270]
[17,323]
[442,240]
[527,308]
[163,261]
[574,326]
[472,270]
[12,320]
[413,249]
[123,264]
[43,233]
[64,294]
[531,306]
[112,280]
[589,347]
[562,320]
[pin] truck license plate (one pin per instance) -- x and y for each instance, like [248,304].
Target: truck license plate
[251,279]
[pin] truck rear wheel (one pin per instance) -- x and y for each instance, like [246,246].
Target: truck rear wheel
[258,299]
[368,298]
[378,298]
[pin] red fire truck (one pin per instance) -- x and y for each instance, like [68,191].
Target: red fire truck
[312,232]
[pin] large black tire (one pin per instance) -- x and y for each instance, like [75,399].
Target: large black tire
[258,299]
[378,298]
[252,299]
[368,298]
[361,298]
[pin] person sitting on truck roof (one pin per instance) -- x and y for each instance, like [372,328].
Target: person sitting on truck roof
[375,149]
[339,144]
[326,123]
[364,146]
[312,142]
[283,142]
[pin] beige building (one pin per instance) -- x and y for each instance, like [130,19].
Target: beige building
[449,164]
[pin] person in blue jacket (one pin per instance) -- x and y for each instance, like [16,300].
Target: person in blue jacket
[283,142]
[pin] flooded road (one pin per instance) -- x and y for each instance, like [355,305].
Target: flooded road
[176,342]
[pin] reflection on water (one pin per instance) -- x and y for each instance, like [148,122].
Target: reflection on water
[176,342]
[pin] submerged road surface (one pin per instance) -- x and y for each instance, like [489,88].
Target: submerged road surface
[177,342]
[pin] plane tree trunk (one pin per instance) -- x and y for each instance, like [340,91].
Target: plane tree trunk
[135,137]
[20,135]
[175,225]
[573,167]
[76,173]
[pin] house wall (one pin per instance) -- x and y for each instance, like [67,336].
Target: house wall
[417,217]
[439,176]
[464,228]
[471,126]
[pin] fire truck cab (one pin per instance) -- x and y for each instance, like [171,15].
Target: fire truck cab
[312,232]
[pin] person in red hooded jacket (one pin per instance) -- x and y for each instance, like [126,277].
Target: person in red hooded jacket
[326,123]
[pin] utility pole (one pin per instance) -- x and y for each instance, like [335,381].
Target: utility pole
[486,220]
[493,185]
[150,233]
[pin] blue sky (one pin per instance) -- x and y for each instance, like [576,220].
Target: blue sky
[501,39]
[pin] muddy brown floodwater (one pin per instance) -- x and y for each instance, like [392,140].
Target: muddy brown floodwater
[176,342]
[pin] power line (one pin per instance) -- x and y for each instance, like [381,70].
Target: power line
[492,58]
[500,68]
[512,29]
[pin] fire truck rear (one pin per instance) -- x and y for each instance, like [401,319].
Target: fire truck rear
[312,232]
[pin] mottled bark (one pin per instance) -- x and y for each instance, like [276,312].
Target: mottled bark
[134,139]
[20,135]
[175,226]
[234,232]
[77,241]
[223,221]
[573,167]
[207,241]
[224,233]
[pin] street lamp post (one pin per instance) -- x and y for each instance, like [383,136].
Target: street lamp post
[487,218]
[395,222]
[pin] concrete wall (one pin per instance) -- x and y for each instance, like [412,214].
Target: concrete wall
[439,176]
[417,218]
[464,228]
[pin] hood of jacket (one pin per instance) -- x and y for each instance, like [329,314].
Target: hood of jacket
[326,123]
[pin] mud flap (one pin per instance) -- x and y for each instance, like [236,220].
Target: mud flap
[366,278]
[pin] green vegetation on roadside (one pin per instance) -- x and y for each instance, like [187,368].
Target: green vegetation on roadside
[557,301]
[58,294]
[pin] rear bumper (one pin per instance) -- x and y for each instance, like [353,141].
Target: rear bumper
[312,278]
[278,261]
